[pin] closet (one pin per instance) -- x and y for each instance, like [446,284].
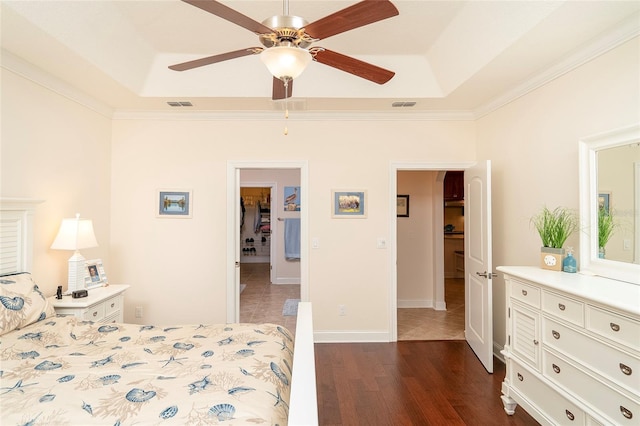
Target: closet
[255,230]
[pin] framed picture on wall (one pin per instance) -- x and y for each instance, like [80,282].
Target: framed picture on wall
[174,203]
[94,275]
[349,204]
[402,204]
[604,201]
[292,198]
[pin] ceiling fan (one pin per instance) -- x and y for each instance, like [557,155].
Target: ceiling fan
[287,39]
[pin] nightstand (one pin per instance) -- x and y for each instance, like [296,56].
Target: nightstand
[103,304]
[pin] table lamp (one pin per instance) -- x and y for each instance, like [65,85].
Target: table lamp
[75,234]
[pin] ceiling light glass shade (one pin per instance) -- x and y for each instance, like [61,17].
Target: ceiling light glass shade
[285,62]
[75,234]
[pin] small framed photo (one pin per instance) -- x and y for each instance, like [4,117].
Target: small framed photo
[402,205]
[292,198]
[174,204]
[94,276]
[604,201]
[349,204]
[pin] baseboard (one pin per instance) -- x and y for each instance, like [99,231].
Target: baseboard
[497,348]
[351,337]
[281,280]
[415,303]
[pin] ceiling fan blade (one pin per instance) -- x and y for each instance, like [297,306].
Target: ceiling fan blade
[354,66]
[215,58]
[360,14]
[278,89]
[230,15]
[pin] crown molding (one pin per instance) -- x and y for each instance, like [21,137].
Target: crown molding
[625,31]
[297,115]
[16,65]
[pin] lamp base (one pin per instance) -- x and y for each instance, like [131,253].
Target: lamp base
[77,272]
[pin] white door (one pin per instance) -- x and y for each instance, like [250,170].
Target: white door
[478,263]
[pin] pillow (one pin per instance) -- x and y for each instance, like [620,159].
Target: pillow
[21,303]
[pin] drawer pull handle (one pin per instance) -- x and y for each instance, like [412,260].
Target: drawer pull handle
[626,413]
[614,326]
[522,378]
[556,368]
[95,314]
[113,304]
[570,415]
[535,342]
[625,369]
[562,308]
[555,334]
[524,292]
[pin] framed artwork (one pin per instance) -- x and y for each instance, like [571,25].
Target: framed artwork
[174,204]
[604,201]
[349,204]
[94,275]
[292,198]
[402,205]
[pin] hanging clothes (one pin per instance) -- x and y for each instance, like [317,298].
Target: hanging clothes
[257,220]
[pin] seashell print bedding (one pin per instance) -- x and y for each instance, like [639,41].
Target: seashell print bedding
[66,371]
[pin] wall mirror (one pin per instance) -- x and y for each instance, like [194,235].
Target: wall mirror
[610,182]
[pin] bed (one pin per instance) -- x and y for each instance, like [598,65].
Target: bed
[58,370]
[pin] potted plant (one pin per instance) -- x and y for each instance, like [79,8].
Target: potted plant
[606,225]
[554,227]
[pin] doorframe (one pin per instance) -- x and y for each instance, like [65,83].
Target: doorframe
[394,168]
[273,193]
[233,227]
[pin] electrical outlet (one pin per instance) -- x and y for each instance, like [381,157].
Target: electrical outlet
[382,243]
[342,310]
[138,311]
[626,244]
[315,243]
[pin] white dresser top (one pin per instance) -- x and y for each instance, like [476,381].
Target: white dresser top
[96,295]
[616,294]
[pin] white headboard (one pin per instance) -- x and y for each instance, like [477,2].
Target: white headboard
[16,234]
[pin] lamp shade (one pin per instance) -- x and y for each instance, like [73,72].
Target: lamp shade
[285,62]
[75,234]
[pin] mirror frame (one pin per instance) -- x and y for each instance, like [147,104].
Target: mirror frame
[589,261]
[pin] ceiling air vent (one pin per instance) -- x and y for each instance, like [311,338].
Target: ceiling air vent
[180,104]
[403,104]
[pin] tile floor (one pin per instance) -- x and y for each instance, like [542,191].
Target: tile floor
[262,302]
[429,324]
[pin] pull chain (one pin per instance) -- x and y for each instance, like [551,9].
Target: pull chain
[286,105]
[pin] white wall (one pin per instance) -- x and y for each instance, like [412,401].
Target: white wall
[533,145]
[56,150]
[187,283]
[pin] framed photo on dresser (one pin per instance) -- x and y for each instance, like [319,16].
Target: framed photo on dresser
[94,276]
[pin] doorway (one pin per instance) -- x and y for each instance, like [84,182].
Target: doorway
[234,217]
[430,305]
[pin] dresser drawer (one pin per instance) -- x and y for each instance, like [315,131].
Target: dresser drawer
[112,305]
[525,293]
[563,307]
[619,408]
[622,368]
[551,403]
[94,313]
[614,327]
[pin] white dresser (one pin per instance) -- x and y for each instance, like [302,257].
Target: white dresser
[103,304]
[573,348]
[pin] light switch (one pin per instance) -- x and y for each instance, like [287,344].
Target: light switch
[315,243]
[382,243]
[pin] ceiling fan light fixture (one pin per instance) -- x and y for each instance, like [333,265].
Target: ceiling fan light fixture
[285,62]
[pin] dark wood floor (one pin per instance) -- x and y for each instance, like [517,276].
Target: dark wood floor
[409,383]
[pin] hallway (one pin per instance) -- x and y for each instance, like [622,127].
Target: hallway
[262,301]
[429,324]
